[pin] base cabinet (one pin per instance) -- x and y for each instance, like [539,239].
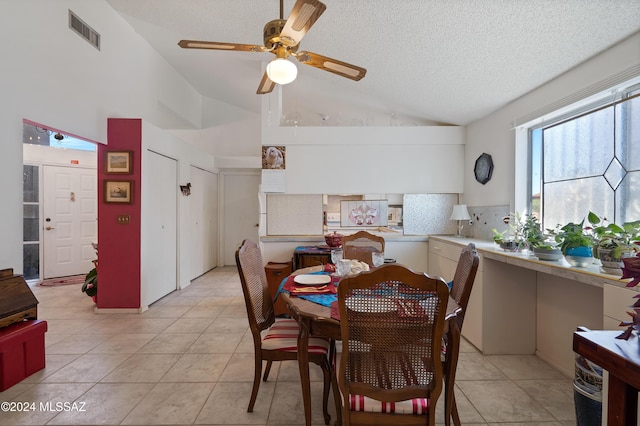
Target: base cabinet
[443,261]
[276,272]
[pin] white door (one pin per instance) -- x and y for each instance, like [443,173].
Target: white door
[203,223]
[241,212]
[159,228]
[70,220]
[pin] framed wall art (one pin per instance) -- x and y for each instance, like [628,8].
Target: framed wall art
[119,162]
[363,213]
[118,191]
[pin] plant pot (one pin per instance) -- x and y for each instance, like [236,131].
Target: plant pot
[547,254]
[611,264]
[509,246]
[580,257]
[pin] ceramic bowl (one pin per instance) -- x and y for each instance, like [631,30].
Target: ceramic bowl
[334,240]
[546,254]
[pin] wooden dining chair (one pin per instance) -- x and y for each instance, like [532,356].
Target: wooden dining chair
[274,339]
[392,322]
[460,291]
[360,245]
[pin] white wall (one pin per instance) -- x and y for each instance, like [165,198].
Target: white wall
[495,134]
[52,76]
[391,159]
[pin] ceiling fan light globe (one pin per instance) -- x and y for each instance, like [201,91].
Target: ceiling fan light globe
[282,71]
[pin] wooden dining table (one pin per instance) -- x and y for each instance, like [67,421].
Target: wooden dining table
[315,320]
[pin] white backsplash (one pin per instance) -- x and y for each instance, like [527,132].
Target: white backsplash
[485,218]
[428,214]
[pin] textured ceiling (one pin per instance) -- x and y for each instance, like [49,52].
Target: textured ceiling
[447,61]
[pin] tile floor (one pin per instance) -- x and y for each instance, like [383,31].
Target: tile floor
[189,360]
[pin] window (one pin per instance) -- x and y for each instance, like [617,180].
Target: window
[31,222]
[589,161]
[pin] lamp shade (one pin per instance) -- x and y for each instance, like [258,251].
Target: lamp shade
[460,212]
[282,71]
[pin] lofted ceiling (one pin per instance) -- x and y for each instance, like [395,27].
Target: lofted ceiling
[427,61]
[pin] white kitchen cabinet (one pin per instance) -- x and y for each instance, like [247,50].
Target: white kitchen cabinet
[443,260]
[617,301]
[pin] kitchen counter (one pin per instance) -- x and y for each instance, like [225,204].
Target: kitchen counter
[590,275]
[409,250]
[522,305]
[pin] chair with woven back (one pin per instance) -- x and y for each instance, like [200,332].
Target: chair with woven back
[360,245]
[274,339]
[392,322]
[461,287]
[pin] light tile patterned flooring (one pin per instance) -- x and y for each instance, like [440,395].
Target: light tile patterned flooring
[189,360]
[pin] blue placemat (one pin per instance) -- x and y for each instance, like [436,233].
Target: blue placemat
[321,299]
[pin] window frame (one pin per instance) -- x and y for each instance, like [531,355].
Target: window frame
[522,197]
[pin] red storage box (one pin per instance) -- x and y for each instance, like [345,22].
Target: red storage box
[21,351]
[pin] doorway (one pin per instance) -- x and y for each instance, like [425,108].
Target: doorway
[66,249]
[241,211]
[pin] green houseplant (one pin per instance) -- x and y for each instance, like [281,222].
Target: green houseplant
[575,243]
[542,245]
[614,242]
[90,286]
[524,232]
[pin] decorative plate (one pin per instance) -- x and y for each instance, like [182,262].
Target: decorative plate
[312,279]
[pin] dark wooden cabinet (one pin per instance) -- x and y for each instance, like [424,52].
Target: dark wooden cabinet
[276,272]
[311,256]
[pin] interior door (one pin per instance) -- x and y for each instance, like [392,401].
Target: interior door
[70,220]
[241,212]
[160,235]
[203,223]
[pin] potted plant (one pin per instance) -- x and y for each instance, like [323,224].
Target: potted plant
[614,242]
[524,232]
[540,243]
[576,244]
[512,238]
[90,286]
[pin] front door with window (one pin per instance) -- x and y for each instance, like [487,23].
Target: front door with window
[69,220]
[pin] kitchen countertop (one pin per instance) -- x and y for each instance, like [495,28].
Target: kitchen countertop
[589,275]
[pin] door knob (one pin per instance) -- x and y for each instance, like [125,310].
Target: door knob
[49,228]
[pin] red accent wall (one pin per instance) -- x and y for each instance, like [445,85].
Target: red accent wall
[119,244]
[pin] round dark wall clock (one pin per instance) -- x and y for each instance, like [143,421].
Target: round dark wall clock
[483,168]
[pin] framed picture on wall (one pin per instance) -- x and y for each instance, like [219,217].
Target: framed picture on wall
[363,213]
[118,162]
[118,191]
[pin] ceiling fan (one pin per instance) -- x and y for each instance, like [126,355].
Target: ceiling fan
[282,38]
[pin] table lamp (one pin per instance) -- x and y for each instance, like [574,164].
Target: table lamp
[460,213]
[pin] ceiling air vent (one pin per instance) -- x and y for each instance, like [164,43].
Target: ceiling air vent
[83,30]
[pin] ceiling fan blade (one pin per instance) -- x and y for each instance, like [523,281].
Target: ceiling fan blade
[197,44]
[343,69]
[266,85]
[302,17]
